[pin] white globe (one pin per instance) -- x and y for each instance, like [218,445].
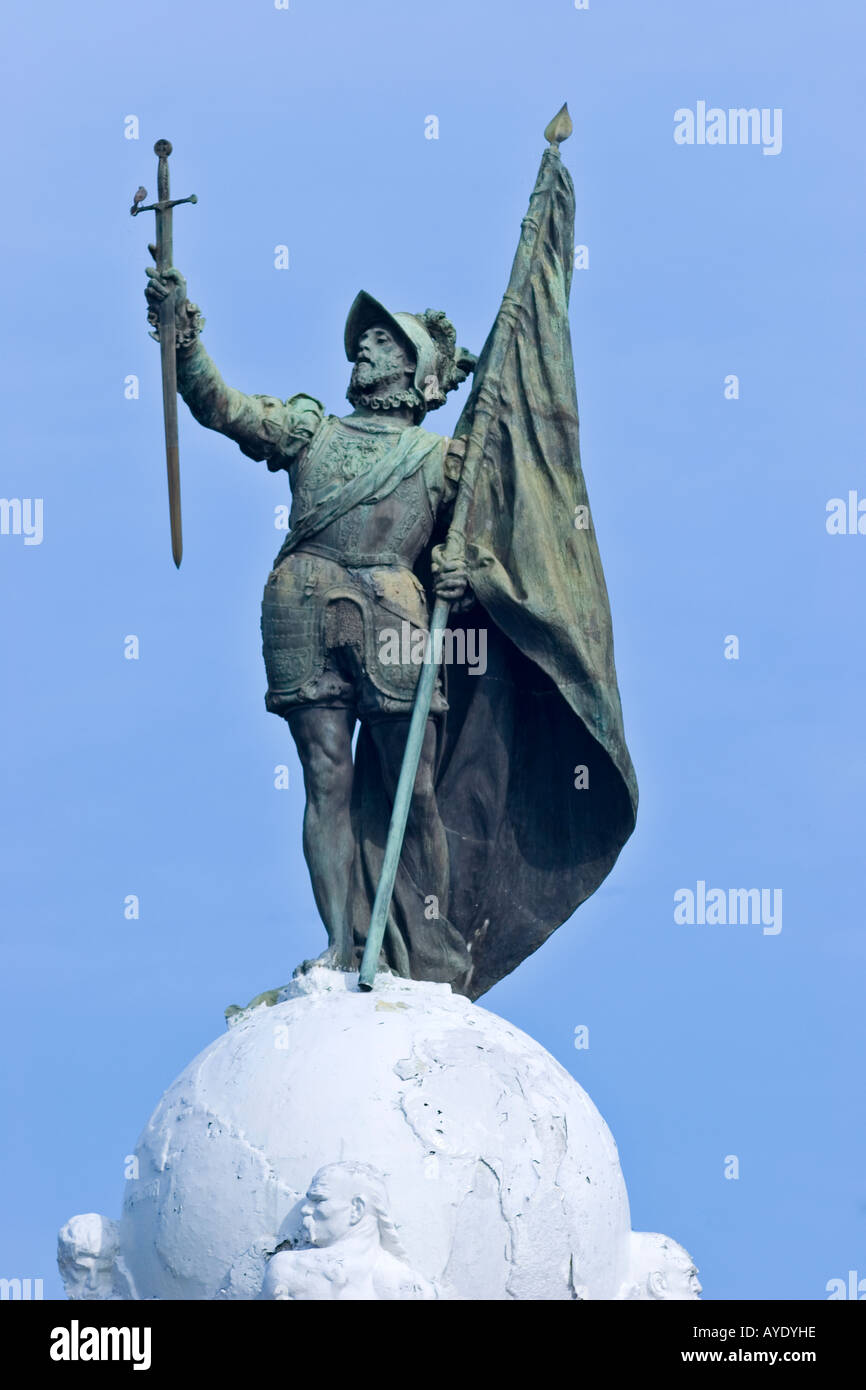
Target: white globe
[504,1180]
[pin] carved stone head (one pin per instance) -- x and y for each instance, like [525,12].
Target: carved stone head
[87,1248]
[661,1269]
[346,1201]
[353,1253]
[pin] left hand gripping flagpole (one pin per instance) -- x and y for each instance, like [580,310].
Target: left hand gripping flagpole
[162,254]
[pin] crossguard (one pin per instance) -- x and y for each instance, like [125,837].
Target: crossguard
[163,206]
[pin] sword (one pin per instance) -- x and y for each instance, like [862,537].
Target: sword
[162,254]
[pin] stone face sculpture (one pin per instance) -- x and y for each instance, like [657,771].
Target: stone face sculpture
[354,1249]
[89,1260]
[660,1269]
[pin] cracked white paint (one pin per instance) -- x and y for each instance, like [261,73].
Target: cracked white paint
[485,1141]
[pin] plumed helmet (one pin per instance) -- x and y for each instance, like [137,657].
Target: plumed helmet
[440,366]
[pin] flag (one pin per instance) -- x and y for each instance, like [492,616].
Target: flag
[534,784]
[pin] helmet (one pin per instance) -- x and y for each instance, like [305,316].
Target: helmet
[439,365]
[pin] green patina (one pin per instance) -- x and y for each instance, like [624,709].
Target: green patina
[517,790]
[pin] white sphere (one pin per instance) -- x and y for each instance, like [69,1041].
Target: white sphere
[504,1180]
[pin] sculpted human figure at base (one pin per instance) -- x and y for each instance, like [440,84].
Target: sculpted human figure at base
[89,1259]
[355,1253]
[660,1269]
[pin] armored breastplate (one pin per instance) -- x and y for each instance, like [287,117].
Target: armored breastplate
[389,531]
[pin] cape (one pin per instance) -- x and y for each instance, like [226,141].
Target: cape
[535,784]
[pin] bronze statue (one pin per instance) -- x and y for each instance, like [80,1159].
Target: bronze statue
[524,792]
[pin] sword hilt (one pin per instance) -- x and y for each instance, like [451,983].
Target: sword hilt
[163,206]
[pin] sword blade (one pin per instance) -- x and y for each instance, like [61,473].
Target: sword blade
[169,408]
[164,253]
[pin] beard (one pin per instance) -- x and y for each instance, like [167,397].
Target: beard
[380,388]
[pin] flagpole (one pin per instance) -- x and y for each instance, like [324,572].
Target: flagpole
[485,401]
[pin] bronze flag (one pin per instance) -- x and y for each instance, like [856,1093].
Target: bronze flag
[535,784]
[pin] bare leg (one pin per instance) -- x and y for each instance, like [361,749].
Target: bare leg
[323,738]
[425,847]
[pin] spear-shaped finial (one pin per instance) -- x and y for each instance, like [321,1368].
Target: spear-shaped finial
[559,128]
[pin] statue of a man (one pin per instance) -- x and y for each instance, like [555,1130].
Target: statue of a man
[525,792]
[345,579]
[353,1249]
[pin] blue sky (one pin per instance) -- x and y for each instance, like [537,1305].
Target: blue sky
[155,777]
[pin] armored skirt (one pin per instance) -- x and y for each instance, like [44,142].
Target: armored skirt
[330,633]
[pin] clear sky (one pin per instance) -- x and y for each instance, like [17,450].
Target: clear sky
[306,128]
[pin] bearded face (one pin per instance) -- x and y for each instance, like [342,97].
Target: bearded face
[382,377]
